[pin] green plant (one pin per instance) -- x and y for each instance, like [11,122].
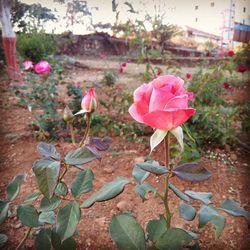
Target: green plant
[40,96]
[53,211]
[109,78]
[36,45]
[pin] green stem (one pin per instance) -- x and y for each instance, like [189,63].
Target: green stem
[168,214]
[24,239]
[85,136]
[72,133]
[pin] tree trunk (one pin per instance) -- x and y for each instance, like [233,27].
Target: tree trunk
[9,41]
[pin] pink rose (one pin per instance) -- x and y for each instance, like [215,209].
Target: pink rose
[28,65]
[188,75]
[42,67]
[162,103]
[89,102]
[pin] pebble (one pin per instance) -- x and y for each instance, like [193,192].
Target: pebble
[233,157]
[108,170]
[123,206]
[139,159]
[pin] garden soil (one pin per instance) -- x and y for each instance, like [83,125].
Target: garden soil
[18,152]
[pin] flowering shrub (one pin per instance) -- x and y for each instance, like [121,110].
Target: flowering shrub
[53,211]
[160,233]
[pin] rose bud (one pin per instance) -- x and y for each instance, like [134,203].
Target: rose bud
[124,64]
[121,70]
[89,102]
[230,53]
[188,75]
[42,67]
[67,114]
[162,103]
[28,65]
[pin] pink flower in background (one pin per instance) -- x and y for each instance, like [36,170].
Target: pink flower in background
[188,75]
[241,68]
[226,85]
[121,70]
[42,67]
[89,102]
[162,103]
[230,53]
[124,65]
[103,56]
[28,65]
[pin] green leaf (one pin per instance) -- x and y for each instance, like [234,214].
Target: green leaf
[233,208]
[202,196]
[32,197]
[67,220]
[47,217]
[48,151]
[49,204]
[143,189]
[61,189]
[210,214]
[107,192]
[157,138]
[43,239]
[156,228]
[173,239]
[139,174]
[55,240]
[4,208]
[187,212]
[3,239]
[83,182]
[14,187]
[28,215]
[178,133]
[79,156]
[47,174]
[153,167]
[69,244]
[127,233]
[178,192]
[192,172]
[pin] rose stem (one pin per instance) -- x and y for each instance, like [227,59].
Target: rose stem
[72,133]
[85,136]
[24,239]
[165,198]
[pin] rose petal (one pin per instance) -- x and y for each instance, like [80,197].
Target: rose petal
[168,119]
[180,102]
[137,111]
[143,93]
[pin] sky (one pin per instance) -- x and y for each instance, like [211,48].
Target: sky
[179,12]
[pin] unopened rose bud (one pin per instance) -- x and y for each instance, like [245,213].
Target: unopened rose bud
[67,114]
[89,103]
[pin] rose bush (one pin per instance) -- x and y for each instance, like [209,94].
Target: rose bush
[162,103]
[42,67]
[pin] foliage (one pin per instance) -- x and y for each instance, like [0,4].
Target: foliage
[36,45]
[40,96]
[213,113]
[109,78]
[28,17]
[54,210]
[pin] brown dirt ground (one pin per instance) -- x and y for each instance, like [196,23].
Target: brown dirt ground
[18,152]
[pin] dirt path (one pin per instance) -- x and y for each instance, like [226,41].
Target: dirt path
[18,152]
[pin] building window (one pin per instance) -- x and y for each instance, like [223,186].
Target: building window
[196,19]
[212,4]
[244,9]
[196,7]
